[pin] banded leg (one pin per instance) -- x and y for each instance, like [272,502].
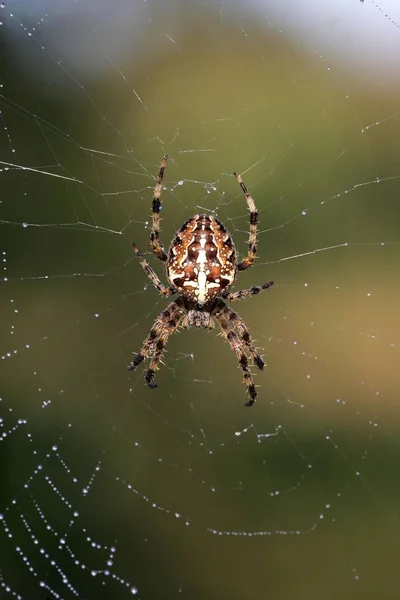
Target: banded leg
[246,262]
[240,294]
[244,334]
[158,248]
[165,324]
[152,275]
[236,346]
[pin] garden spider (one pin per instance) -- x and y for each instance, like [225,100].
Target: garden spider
[201,265]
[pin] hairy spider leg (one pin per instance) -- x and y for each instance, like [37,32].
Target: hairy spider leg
[152,275]
[246,262]
[244,334]
[164,326]
[158,248]
[252,291]
[237,347]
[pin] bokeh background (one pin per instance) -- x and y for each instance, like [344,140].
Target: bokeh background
[112,490]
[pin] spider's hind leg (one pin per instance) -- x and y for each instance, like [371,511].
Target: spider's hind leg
[246,262]
[158,248]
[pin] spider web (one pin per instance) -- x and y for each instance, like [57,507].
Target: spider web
[106,483]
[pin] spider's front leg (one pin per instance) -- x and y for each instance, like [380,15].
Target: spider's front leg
[238,347]
[239,325]
[165,324]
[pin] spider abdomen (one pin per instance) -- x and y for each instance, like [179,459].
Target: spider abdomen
[202,259]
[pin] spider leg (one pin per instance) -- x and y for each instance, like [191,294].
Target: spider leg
[158,248]
[246,262]
[239,325]
[240,294]
[237,347]
[152,275]
[165,324]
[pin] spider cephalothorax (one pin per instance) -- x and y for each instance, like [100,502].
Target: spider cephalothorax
[201,266]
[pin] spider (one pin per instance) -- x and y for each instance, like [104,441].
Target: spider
[201,265]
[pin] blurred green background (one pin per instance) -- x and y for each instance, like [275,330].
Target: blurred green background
[110,489]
